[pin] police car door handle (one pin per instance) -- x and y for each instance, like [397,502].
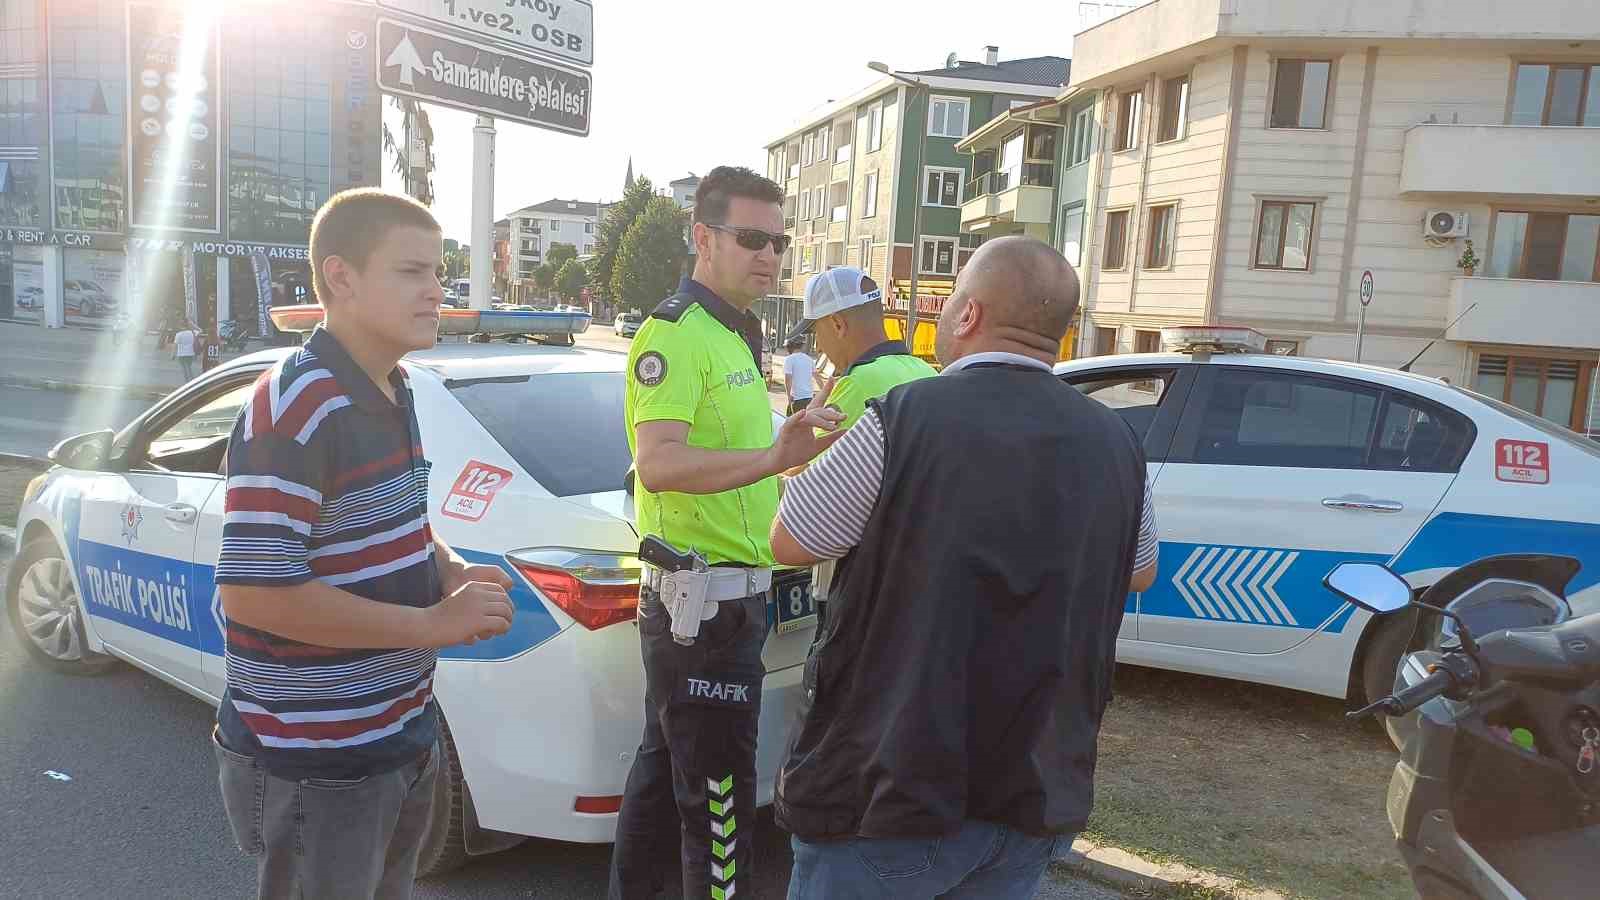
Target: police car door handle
[180,513]
[1363,504]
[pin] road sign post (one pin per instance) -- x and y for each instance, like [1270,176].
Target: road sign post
[1361,317]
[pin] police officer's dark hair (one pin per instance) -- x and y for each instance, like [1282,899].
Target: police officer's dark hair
[726,182]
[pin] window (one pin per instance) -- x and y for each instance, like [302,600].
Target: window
[839,200]
[584,407]
[788,263]
[869,195]
[947,117]
[1129,107]
[1565,94]
[792,155]
[808,258]
[805,205]
[1300,94]
[1283,235]
[1081,142]
[822,143]
[588,228]
[865,254]
[1416,435]
[788,211]
[1174,109]
[1553,389]
[1283,348]
[835,254]
[1116,252]
[875,127]
[941,187]
[555,225]
[1547,246]
[938,256]
[805,155]
[1010,172]
[88,86]
[1105,341]
[1136,396]
[1072,234]
[843,139]
[818,211]
[1264,418]
[197,442]
[1158,248]
[1147,341]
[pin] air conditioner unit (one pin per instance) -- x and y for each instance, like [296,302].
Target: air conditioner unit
[1445,224]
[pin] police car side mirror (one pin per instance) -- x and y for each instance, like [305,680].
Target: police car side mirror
[87,452]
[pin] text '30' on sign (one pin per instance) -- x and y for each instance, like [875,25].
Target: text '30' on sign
[449,71]
[563,29]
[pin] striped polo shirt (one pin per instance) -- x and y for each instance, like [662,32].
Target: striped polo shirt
[327,481]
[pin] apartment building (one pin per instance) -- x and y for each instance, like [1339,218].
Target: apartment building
[535,228]
[851,177]
[1248,160]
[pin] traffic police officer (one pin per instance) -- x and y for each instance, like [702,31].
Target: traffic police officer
[699,422]
[844,309]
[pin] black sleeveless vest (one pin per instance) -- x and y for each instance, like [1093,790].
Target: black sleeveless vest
[970,641]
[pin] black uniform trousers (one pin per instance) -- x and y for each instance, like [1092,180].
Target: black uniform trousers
[694,777]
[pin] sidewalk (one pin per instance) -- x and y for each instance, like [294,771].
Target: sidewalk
[74,358]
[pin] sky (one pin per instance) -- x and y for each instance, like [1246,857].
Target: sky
[686,86]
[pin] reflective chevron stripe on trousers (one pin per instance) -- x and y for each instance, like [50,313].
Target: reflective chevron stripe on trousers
[693,779]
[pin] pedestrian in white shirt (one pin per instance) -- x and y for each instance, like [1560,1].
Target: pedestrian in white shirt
[798,369]
[183,348]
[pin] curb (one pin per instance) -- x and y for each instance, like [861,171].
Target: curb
[22,459]
[1124,870]
[144,391]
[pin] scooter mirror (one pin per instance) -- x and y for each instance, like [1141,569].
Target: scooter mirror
[1370,586]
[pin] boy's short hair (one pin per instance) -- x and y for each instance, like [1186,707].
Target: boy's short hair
[726,182]
[353,223]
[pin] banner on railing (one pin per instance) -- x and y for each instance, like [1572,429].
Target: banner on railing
[263,272]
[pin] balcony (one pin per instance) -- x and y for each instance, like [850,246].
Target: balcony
[1526,311]
[1533,161]
[1024,195]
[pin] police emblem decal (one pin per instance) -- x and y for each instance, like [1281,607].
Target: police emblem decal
[132,518]
[650,369]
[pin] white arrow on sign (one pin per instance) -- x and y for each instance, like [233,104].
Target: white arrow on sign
[405,56]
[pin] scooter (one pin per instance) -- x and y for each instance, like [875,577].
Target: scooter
[234,336]
[1497,721]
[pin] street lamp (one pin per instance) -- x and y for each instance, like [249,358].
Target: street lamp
[916,211]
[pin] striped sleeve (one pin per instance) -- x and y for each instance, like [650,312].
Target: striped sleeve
[274,499]
[827,506]
[1149,542]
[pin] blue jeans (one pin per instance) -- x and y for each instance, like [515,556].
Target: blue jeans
[982,861]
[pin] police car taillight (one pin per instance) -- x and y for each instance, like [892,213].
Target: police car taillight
[1212,339]
[595,589]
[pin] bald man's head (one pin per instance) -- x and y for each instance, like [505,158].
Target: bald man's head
[1023,284]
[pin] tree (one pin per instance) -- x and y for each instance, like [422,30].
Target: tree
[559,254]
[571,281]
[414,121]
[613,228]
[457,262]
[650,258]
[544,278]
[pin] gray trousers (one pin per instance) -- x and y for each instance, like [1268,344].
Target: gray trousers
[315,838]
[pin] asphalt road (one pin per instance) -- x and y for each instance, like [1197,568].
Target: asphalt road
[33,420]
[140,816]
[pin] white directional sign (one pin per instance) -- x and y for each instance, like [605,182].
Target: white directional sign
[450,71]
[562,29]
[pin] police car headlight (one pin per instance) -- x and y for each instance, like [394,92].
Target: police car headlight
[595,588]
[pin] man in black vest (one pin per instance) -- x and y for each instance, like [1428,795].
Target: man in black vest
[989,524]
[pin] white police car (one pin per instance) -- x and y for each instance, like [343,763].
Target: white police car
[1269,470]
[117,545]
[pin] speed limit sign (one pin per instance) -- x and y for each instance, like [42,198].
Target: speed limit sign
[1366,287]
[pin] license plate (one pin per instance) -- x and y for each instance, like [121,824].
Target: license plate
[791,593]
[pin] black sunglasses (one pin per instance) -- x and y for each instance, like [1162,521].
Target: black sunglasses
[754,238]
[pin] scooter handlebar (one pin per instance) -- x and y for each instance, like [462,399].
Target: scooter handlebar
[1438,682]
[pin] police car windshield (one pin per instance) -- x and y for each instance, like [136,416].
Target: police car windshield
[1550,428]
[564,428]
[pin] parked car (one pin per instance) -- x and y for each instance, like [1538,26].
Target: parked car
[30,297]
[86,298]
[1270,470]
[627,324]
[542,721]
